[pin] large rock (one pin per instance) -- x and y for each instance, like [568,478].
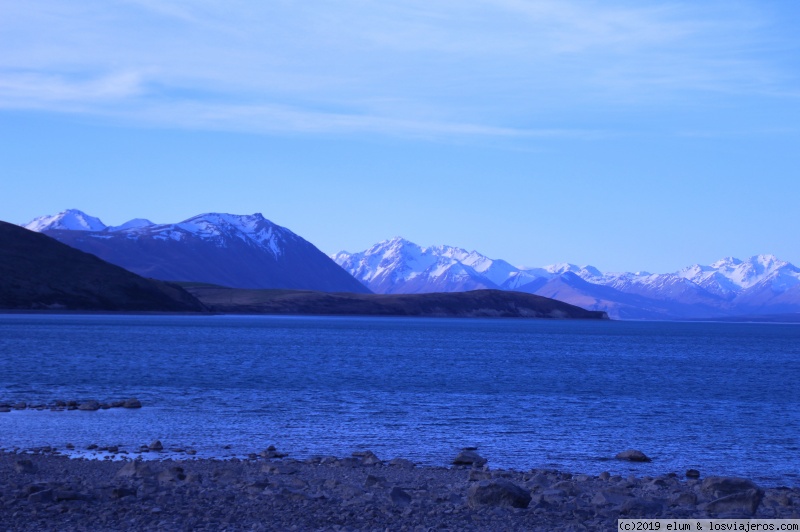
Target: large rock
[171,476]
[641,507]
[722,486]
[89,406]
[469,457]
[24,466]
[498,492]
[402,463]
[686,498]
[743,503]
[132,403]
[367,458]
[632,455]
[399,497]
[611,497]
[135,469]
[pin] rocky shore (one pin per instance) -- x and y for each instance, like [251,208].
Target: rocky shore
[61,405]
[44,490]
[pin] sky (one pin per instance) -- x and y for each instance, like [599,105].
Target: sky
[629,135]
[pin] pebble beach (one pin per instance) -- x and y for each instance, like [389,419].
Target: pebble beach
[42,490]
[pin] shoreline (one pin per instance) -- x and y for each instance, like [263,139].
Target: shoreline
[94,447]
[272,491]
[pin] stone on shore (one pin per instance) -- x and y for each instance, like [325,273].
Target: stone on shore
[741,503]
[469,457]
[89,406]
[132,403]
[400,497]
[402,462]
[498,492]
[367,458]
[271,452]
[633,455]
[640,507]
[135,469]
[611,497]
[722,486]
[24,466]
[156,446]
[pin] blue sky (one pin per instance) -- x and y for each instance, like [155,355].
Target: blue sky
[631,135]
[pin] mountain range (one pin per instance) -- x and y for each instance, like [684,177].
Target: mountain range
[250,252]
[225,249]
[758,286]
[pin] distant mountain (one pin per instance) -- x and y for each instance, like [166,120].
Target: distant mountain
[37,272]
[70,220]
[760,285]
[398,266]
[225,249]
[473,304]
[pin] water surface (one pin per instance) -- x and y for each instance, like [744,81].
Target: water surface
[722,398]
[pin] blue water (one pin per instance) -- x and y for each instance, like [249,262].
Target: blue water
[721,398]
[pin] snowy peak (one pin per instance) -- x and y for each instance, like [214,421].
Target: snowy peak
[136,223]
[400,266]
[726,263]
[562,267]
[219,228]
[247,223]
[394,246]
[70,220]
[732,275]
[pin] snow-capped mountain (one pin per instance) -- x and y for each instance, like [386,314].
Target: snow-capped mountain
[136,223]
[231,250]
[70,220]
[761,284]
[398,266]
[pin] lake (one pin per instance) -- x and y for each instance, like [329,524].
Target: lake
[719,397]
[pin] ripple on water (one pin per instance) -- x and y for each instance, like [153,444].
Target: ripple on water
[565,395]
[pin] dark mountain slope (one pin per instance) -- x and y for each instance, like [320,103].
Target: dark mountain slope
[38,272]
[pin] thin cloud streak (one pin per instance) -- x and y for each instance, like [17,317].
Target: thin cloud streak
[59,96]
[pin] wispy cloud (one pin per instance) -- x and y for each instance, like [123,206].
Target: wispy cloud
[487,68]
[48,90]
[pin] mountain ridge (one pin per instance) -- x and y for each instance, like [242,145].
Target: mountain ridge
[241,251]
[762,284]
